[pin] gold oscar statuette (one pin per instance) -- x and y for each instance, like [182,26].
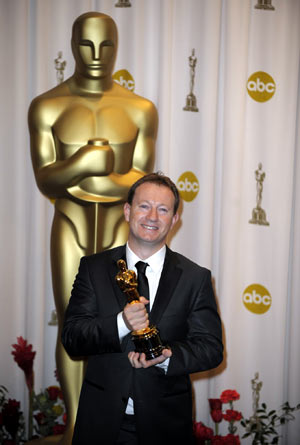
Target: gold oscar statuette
[146,340]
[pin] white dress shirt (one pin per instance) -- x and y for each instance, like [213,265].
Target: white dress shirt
[153,273]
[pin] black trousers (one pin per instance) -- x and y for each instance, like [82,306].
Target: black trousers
[127,435]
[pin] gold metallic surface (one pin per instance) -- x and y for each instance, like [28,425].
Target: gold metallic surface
[146,340]
[90,140]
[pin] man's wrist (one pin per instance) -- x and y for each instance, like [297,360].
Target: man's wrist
[123,330]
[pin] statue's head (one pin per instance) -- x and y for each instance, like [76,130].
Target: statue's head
[94,44]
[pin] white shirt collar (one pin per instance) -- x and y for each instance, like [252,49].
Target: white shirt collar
[155,261]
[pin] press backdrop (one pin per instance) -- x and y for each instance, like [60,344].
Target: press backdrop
[234,154]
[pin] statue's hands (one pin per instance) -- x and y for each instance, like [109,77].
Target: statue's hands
[135,315]
[138,360]
[95,160]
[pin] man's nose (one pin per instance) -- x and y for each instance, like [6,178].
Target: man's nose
[152,215]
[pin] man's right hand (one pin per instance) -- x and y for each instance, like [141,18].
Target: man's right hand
[135,315]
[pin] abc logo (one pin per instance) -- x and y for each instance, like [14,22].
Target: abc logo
[257,299]
[261,86]
[125,79]
[188,186]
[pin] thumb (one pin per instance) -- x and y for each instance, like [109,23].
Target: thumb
[144,300]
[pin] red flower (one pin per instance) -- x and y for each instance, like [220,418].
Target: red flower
[24,357]
[58,429]
[231,415]
[54,392]
[56,375]
[216,415]
[64,418]
[229,395]
[217,440]
[40,418]
[202,432]
[215,404]
[10,416]
[230,439]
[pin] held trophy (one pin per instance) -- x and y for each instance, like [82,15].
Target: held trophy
[146,340]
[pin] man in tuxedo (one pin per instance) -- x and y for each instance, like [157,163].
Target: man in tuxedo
[126,399]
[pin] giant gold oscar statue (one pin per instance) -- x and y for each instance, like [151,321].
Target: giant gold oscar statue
[90,140]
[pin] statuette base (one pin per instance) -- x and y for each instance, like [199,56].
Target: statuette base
[191,103]
[259,217]
[148,341]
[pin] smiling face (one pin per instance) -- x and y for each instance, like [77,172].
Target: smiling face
[150,217]
[94,45]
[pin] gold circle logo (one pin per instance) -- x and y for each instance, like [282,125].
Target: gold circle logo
[257,299]
[125,79]
[188,186]
[261,86]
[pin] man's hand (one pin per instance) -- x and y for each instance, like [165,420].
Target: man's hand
[138,360]
[135,315]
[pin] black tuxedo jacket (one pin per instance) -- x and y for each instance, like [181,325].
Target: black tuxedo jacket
[185,313]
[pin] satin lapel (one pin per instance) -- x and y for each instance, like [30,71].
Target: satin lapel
[113,270]
[167,284]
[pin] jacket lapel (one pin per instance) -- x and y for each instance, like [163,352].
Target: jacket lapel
[167,284]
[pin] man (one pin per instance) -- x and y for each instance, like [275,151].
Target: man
[91,139]
[124,397]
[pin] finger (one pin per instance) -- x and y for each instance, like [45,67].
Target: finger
[167,353]
[139,306]
[144,300]
[147,363]
[134,359]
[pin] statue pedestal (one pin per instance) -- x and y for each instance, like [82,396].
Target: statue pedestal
[61,439]
[49,440]
[191,103]
[259,217]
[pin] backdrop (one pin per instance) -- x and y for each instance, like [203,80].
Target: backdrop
[224,76]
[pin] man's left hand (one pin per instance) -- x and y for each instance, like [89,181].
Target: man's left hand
[138,360]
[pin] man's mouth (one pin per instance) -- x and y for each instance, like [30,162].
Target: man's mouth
[149,227]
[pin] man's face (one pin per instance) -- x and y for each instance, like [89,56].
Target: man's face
[150,216]
[94,46]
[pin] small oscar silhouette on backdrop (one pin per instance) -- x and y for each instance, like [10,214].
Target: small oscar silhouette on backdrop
[123,4]
[258,214]
[60,66]
[191,101]
[264,4]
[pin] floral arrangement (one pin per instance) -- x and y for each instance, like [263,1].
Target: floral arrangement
[261,426]
[12,424]
[205,435]
[46,411]
[47,416]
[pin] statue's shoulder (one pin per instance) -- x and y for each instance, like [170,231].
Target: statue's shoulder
[130,97]
[49,101]
[60,91]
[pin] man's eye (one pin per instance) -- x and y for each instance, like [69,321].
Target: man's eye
[163,210]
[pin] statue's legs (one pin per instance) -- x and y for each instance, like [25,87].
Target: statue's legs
[65,257]
[105,227]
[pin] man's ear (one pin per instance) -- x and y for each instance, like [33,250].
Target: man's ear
[126,209]
[175,219]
